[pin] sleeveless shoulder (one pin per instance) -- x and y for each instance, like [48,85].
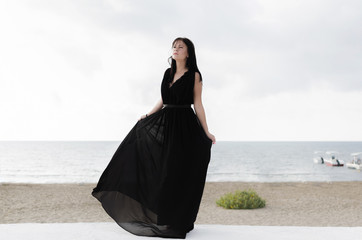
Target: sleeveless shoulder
[167,72]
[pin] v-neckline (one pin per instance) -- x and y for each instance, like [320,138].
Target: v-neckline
[178,79]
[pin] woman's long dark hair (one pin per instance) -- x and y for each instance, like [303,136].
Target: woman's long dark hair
[190,61]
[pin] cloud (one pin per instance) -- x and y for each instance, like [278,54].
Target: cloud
[277,46]
[290,47]
[79,70]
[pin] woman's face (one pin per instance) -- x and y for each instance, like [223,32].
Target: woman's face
[179,50]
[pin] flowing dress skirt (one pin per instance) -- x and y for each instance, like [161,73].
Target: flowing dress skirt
[154,182]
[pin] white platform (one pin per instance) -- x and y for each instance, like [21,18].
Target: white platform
[111,231]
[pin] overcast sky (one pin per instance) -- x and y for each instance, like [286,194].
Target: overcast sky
[273,70]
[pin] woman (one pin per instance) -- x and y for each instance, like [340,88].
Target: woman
[154,182]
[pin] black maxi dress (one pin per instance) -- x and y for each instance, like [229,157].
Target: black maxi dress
[155,180]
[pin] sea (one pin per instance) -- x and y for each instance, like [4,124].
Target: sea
[84,161]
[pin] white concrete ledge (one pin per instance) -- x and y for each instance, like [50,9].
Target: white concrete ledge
[111,231]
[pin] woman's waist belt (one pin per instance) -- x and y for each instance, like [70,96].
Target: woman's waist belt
[177,105]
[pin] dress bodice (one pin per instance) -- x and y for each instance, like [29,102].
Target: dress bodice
[181,91]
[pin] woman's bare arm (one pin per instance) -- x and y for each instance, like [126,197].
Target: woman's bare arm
[199,108]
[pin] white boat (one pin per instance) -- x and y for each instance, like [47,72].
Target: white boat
[318,157]
[356,162]
[333,160]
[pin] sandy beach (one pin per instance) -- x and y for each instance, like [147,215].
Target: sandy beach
[287,204]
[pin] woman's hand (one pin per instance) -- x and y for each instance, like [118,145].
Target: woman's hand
[156,108]
[142,117]
[212,137]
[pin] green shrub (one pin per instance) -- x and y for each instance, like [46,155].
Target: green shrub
[241,200]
